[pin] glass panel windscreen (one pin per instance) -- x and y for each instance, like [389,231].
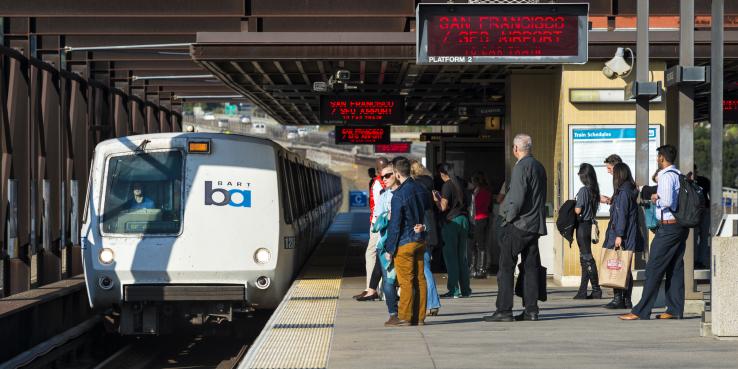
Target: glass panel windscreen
[144,193]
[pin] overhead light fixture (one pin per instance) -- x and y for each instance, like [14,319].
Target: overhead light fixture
[209,97]
[126,47]
[184,76]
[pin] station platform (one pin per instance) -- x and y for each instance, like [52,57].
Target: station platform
[319,325]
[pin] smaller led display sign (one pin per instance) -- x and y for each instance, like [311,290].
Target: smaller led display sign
[730,110]
[362,135]
[495,33]
[341,109]
[393,148]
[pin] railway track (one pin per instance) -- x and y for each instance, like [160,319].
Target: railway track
[88,346]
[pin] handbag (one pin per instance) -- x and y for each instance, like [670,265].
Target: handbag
[615,267]
[542,275]
[595,232]
[650,214]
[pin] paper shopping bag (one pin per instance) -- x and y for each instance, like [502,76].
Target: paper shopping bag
[614,268]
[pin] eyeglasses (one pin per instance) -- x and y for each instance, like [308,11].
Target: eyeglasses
[386,176]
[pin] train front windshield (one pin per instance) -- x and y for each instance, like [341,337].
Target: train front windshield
[143,193]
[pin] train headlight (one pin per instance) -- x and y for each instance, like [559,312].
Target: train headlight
[106,256]
[262,256]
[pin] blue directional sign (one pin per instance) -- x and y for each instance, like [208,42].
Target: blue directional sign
[358,199]
[727,202]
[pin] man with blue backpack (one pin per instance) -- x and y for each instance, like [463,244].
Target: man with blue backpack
[679,205]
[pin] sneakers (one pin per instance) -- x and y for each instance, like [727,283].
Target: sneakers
[450,294]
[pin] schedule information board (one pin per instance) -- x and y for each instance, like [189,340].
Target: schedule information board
[593,143]
[341,109]
[494,33]
[362,135]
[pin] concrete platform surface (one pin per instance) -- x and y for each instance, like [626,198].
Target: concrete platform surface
[570,334]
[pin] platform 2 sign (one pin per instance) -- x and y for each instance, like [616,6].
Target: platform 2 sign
[353,109]
[362,135]
[393,148]
[502,34]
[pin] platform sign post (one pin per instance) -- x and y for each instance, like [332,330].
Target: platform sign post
[358,199]
[501,33]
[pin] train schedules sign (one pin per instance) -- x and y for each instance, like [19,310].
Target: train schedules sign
[502,34]
[342,109]
[362,135]
[393,148]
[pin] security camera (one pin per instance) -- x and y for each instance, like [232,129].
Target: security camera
[343,75]
[617,66]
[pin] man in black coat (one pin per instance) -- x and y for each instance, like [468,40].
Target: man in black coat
[524,221]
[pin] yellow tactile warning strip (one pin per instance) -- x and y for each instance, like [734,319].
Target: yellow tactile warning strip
[299,333]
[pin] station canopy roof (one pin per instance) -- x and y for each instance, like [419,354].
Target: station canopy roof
[272,51]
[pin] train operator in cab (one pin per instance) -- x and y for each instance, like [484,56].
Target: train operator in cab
[139,201]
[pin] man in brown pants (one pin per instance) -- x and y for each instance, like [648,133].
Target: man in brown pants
[409,203]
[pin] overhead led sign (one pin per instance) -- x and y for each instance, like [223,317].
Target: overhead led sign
[393,148]
[730,110]
[496,33]
[362,135]
[342,109]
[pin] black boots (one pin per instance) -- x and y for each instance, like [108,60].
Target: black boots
[473,262]
[594,278]
[618,299]
[583,282]
[589,274]
[481,265]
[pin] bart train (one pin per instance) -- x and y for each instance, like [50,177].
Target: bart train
[198,225]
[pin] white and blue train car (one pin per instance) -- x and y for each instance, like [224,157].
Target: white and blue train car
[198,225]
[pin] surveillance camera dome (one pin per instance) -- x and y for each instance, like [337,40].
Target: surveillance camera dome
[617,66]
[608,72]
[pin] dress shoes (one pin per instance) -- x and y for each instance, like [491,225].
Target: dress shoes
[499,317]
[524,316]
[394,321]
[629,316]
[359,295]
[664,316]
[367,297]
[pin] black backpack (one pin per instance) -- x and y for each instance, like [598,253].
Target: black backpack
[691,202]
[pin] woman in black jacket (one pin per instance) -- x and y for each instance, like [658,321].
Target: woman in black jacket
[588,200]
[623,231]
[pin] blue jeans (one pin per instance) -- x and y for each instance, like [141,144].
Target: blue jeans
[389,288]
[433,301]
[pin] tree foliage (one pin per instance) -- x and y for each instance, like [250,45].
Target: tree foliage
[702,147]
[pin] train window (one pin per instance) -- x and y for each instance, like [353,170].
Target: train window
[143,194]
[297,182]
[286,196]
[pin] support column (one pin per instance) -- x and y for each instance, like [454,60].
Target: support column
[716,115]
[686,130]
[642,109]
[19,183]
[50,179]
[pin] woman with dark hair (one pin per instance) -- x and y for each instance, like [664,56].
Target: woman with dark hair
[588,199]
[455,232]
[482,198]
[622,231]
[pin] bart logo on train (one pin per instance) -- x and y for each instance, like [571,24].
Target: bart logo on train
[235,197]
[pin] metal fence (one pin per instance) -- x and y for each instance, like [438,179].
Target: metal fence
[51,121]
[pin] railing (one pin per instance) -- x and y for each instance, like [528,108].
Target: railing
[51,121]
